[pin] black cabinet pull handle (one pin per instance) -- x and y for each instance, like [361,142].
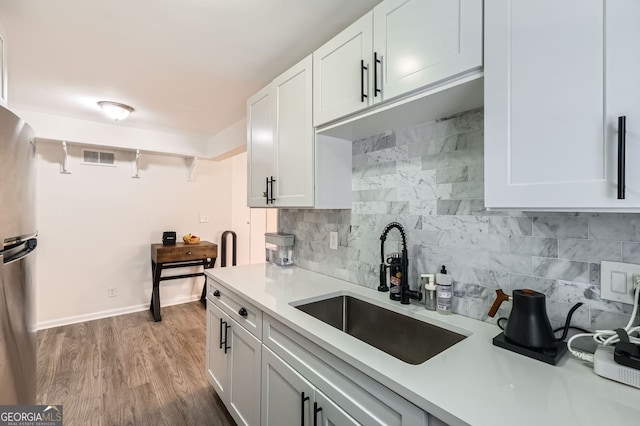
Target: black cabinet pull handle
[622,130]
[303,400]
[316,410]
[265,194]
[221,332]
[376,61]
[362,70]
[270,197]
[226,337]
[243,312]
[216,293]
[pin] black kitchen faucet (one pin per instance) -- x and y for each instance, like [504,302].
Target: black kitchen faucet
[406,294]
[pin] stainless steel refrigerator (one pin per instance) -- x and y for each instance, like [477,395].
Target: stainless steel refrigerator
[17,245]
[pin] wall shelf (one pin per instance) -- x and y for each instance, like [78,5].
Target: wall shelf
[137,154]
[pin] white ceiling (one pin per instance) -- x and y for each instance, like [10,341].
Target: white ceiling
[186,66]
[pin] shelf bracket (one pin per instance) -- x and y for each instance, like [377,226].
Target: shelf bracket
[136,165]
[63,167]
[192,169]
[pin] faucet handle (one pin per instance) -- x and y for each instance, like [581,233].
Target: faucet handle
[383,287]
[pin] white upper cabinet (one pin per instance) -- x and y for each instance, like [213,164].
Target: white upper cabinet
[422,42]
[287,165]
[341,73]
[260,148]
[398,48]
[558,75]
[292,103]
[3,67]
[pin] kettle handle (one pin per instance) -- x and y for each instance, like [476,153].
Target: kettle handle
[500,297]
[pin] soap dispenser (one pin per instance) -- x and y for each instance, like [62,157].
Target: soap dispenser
[444,286]
[429,288]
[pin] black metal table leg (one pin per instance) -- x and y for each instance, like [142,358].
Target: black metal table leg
[203,296]
[153,268]
[206,264]
[155,295]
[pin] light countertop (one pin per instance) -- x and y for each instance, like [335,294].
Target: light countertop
[471,383]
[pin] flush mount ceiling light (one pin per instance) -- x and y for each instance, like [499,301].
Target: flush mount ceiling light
[115,110]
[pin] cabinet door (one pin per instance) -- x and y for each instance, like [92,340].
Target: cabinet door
[260,147]
[244,375]
[422,42]
[287,398]
[339,81]
[550,115]
[217,370]
[292,92]
[3,67]
[332,415]
[623,95]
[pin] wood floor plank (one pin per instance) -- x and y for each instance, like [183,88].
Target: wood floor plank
[130,370]
[50,343]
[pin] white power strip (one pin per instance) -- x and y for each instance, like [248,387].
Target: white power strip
[605,366]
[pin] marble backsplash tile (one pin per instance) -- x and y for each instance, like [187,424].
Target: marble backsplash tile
[429,178]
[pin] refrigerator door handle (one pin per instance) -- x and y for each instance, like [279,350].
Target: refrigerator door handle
[28,247]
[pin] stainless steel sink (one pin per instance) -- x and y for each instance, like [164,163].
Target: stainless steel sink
[403,337]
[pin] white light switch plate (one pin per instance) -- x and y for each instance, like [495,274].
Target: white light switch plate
[616,281]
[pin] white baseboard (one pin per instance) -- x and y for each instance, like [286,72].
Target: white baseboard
[111,313]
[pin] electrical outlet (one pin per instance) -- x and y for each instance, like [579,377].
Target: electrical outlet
[204,218]
[617,282]
[112,292]
[333,240]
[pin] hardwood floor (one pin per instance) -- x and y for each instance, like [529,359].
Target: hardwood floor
[130,370]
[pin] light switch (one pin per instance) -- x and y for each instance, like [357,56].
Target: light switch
[616,281]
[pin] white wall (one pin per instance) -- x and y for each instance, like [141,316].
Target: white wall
[96,226]
[228,142]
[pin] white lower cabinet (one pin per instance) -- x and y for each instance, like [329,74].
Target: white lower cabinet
[345,395]
[267,374]
[217,371]
[289,399]
[327,413]
[233,365]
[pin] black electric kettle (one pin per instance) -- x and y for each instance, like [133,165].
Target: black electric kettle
[528,324]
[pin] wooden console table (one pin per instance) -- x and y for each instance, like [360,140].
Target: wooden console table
[180,255]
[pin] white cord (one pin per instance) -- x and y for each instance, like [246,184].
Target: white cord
[579,354]
[610,337]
